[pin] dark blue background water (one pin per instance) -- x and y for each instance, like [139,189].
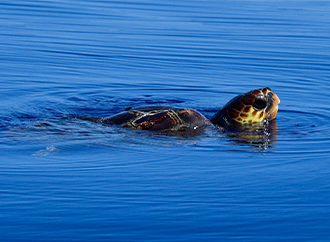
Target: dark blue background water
[73,180]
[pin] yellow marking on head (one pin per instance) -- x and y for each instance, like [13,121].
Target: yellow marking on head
[251,107]
[248,115]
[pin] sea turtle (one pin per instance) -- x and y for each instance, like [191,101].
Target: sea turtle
[251,107]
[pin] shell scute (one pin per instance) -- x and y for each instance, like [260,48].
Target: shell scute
[192,117]
[157,121]
[121,118]
[242,109]
[159,118]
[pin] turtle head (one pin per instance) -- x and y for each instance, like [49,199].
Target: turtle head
[251,107]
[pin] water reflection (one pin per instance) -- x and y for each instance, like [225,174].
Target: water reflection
[261,135]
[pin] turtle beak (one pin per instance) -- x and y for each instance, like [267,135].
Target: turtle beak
[272,108]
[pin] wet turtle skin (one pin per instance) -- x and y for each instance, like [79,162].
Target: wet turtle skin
[252,107]
[248,108]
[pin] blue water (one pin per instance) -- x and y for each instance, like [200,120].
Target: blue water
[65,179]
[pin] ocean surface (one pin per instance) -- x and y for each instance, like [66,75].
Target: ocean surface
[67,179]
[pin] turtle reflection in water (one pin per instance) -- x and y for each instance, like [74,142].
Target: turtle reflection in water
[256,106]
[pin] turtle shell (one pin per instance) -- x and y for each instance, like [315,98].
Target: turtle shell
[251,107]
[159,118]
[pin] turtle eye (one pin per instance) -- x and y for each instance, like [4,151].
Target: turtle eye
[260,103]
